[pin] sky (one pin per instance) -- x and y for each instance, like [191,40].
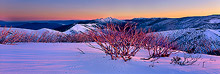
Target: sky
[25,10]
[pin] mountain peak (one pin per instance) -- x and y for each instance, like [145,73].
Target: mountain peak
[108,20]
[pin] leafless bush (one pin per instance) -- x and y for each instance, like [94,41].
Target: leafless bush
[79,37]
[50,37]
[7,36]
[214,52]
[126,41]
[47,37]
[158,45]
[188,59]
[117,41]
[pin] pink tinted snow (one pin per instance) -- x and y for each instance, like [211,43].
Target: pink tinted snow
[65,58]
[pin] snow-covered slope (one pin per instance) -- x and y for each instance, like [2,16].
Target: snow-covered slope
[213,34]
[209,34]
[65,58]
[79,28]
[28,31]
[190,35]
[43,30]
[165,24]
[214,21]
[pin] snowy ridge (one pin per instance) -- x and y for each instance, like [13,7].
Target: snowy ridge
[166,24]
[79,28]
[75,29]
[49,31]
[217,32]
[109,20]
[213,34]
[28,31]
[210,34]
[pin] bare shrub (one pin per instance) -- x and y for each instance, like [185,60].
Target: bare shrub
[214,52]
[188,59]
[47,37]
[8,36]
[118,42]
[79,37]
[126,41]
[158,45]
[50,37]
[28,37]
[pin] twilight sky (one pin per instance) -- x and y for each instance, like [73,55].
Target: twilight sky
[24,10]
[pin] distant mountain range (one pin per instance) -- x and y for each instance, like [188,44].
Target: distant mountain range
[163,24]
[157,24]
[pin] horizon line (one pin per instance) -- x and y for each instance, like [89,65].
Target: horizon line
[101,18]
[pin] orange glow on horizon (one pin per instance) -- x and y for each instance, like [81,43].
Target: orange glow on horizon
[25,10]
[93,15]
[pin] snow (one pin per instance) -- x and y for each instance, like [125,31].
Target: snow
[79,28]
[109,20]
[43,30]
[213,34]
[16,29]
[65,58]
[214,21]
[29,31]
[217,32]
